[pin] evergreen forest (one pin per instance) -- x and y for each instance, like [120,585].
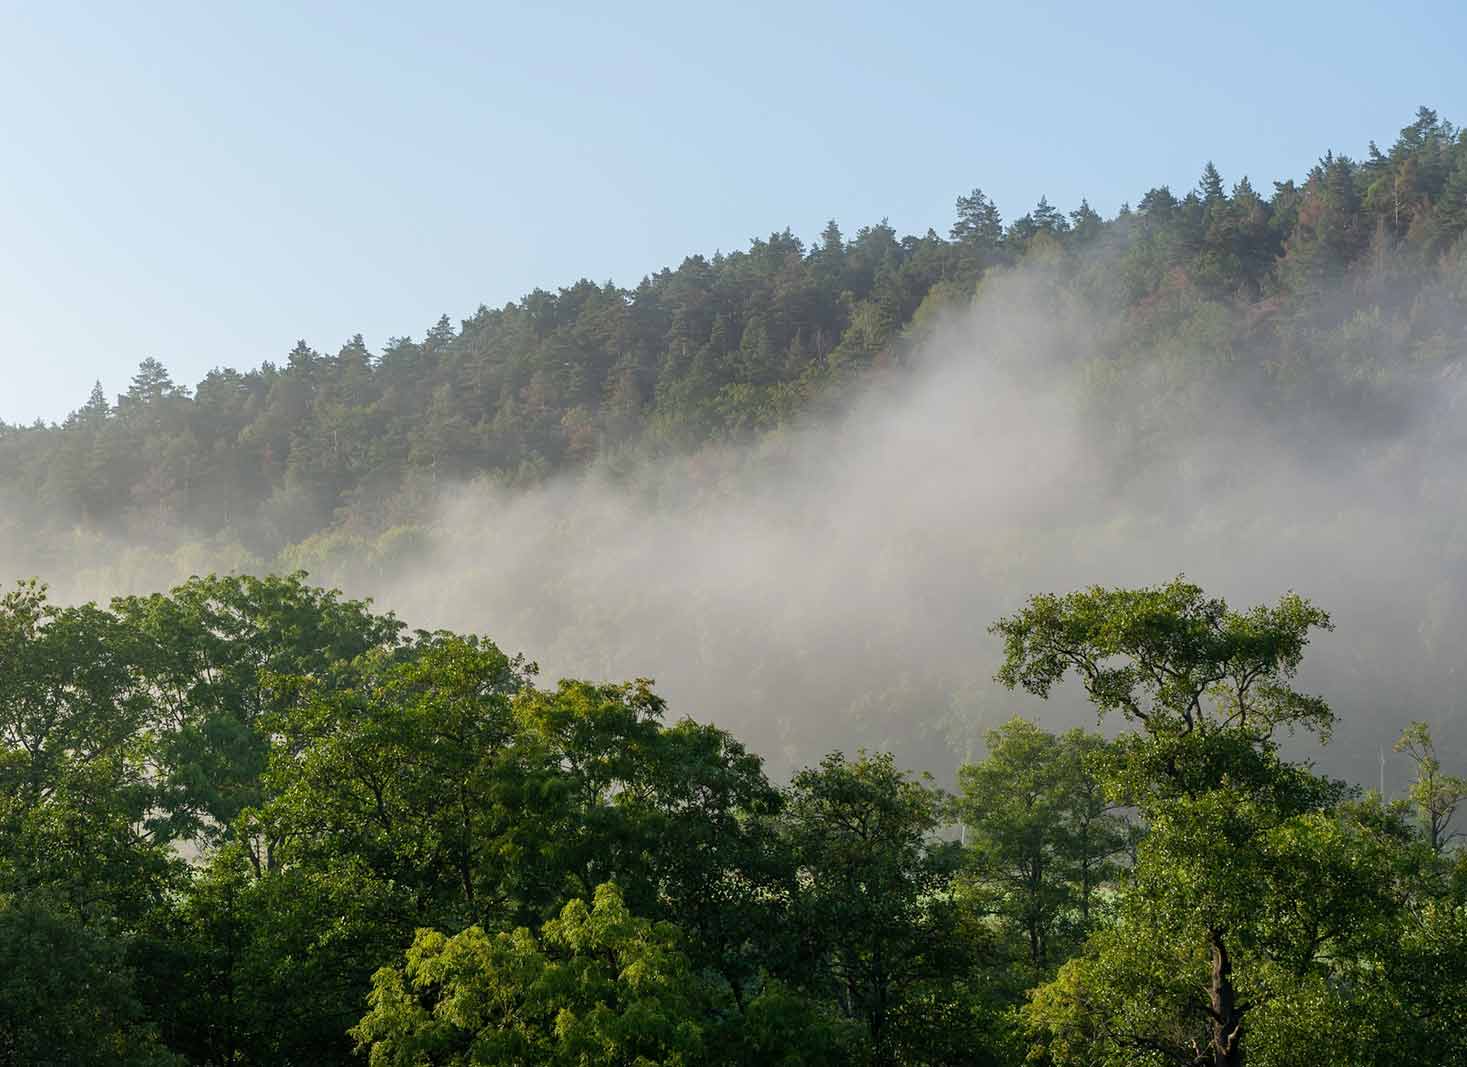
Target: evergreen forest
[1336,296]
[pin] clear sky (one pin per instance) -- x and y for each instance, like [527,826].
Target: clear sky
[205,183]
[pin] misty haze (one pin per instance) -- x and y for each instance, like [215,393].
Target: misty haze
[828,584]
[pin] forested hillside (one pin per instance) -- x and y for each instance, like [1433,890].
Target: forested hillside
[1332,295]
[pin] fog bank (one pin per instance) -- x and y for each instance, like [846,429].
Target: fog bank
[831,586]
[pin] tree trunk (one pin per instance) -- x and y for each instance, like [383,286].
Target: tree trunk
[1227,1017]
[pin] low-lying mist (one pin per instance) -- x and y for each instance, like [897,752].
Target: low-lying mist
[831,586]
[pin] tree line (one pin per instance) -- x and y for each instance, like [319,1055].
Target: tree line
[1330,296]
[249,821]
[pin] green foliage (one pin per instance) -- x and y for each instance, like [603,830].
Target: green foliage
[67,996]
[1263,916]
[345,794]
[1435,794]
[407,769]
[1313,911]
[599,986]
[1043,836]
[876,896]
[80,811]
[207,648]
[429,783]
[602,987]
[1170,658]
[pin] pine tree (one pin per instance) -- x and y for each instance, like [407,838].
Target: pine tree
[1085,222]
[1048,219]
[832,242]
[151,383]
[1449,218]
[441,335]
[302,360]
[1158,204]
[95,411]
[1211,188]
[978,223]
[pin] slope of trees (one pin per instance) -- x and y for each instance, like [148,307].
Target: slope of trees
[249,822]
[1329,295]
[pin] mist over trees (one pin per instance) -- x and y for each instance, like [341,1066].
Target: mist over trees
[1244,387]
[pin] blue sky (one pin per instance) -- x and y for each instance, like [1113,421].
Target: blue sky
[207,183]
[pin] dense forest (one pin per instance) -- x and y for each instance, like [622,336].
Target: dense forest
[255,820]
[251,822]
[1330,297]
